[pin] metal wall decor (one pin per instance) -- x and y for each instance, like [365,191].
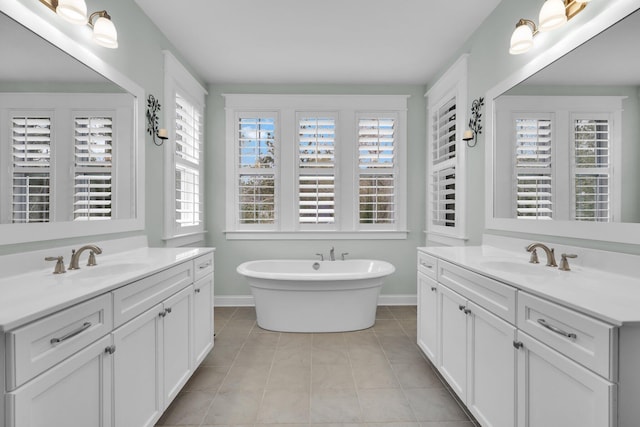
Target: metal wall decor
[153,107]
[475,122]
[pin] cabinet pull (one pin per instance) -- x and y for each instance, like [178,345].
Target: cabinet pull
[167,310]
[162,313]
[84,327]
[433,288]
[196,290]
[517,345]
[203,266]
[424,264]
[461,307]
[110,350]
[467,311]
[557,330]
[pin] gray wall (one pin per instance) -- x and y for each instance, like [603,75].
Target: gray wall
[230,253]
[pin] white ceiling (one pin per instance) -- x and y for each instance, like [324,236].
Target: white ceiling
[328,41]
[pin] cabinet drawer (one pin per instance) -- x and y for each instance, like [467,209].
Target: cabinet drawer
[499,299]
[137,297]
[36,347]
[428,265]
[203,266]
[583,339]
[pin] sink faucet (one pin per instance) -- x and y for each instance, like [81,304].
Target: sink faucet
[332,255]
[551,259]
[75,256]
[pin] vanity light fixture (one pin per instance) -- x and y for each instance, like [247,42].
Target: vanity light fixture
[554,14]
[75,12]
[475,123]
[153,107]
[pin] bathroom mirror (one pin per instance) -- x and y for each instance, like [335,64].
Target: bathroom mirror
[565,142]
[70,136]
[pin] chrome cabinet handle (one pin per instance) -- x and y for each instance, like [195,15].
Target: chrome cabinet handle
[557,330]
[196,290]
[467,311]
[84,327]
[461,307]
[110,350]
[168,310]
[517,345]
[162,313]
[203,266]
[424,264]
[433,289]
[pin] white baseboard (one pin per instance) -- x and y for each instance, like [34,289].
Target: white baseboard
[247,300]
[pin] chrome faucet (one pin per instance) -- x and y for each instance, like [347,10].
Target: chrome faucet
[551,259]
[75,256]
[332,255]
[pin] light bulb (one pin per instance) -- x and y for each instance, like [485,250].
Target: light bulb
[73,11]
[552,15]
[521,39]
[104,33]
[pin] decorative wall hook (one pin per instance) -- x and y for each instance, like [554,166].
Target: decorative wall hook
[153,107]
[475,125]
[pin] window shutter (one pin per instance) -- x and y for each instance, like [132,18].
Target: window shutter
[592,169]
[316,170]
[188,146]
[256,169]
[31,149]
[377,165]
[533,168]
[443,164]
[93,141]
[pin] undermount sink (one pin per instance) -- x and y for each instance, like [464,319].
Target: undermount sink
[517,266]
[107,269]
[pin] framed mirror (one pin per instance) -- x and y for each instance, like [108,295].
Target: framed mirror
[564,138]
[71,138]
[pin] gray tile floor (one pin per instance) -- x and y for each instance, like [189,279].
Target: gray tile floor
[255,377]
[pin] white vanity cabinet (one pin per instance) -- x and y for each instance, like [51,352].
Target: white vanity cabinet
[428,299]
[476,347]
[116,360]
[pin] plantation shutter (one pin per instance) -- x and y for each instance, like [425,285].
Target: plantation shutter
[533,173]
[93,148]
[443,165]
[188,147]
[378,169]
[592,169]
[316,169]
[31,150]
[256,168]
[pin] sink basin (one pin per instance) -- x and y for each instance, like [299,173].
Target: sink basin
[108,269]
[516,267]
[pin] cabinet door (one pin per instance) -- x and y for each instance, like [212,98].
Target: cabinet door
[453,340]
[428,317]
[177,342]
[137,370]
[75,393]
[203,318]
[554,391]
[491,369]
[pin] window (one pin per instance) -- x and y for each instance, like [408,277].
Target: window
[184,215]
[562,155]
[333,172]
[31,146]
[445,157]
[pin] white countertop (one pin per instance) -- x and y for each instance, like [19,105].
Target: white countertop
[610,297]
[27,297]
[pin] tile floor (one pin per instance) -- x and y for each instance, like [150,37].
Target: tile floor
[255,377]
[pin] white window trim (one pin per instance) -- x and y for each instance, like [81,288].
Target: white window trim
[177,79]
[346,108]
[563,109]
[454,82]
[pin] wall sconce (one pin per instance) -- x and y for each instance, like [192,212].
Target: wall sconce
[153,107]
[554,14]
[75,12]
[475,125]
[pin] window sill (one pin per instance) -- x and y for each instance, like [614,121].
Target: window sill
[316,235]
[184,239]
[443,239]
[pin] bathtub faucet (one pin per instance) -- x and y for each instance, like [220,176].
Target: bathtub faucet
[332,255]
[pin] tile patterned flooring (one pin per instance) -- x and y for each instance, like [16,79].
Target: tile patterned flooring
[375,377]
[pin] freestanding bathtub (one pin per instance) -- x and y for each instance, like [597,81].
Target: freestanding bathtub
[315,296]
